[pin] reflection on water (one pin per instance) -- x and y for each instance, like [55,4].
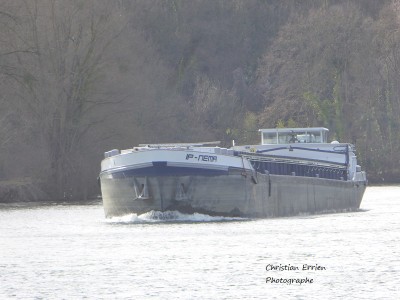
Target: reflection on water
[73,252]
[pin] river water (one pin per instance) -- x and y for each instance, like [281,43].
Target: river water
[73,252]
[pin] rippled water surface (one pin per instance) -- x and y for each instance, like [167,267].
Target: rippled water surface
[73,252]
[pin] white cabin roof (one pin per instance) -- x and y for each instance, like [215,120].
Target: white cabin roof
[282,130]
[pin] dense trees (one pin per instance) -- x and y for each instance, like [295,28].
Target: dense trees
[336,59]
[78,78]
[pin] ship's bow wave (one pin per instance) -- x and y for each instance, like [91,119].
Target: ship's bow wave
[169,216]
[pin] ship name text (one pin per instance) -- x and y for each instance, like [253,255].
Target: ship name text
[201,157]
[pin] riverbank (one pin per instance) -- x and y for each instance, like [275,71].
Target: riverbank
[26,190]
[21,190]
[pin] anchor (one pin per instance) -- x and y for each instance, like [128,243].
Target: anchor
[180,194]
[143,192]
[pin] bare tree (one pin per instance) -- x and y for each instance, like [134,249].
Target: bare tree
[57,81]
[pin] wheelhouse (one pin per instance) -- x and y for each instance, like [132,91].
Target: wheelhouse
[316,135]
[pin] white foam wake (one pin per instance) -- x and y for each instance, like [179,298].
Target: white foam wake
[170,216]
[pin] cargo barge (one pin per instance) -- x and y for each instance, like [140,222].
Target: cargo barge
[292,171]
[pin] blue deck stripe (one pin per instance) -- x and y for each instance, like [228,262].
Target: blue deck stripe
[160,169]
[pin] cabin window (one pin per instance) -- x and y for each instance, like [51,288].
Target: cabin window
[269,138]
[285,138]
[312,135]
[299,137]
[306,137]
[309,138]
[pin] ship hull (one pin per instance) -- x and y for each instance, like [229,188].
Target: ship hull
[233,193]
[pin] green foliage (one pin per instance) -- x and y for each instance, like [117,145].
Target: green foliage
[280,124]
[292,123]
[323,109]
[328,111]
[250,129]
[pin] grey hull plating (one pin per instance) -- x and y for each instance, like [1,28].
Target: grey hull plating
[245,195]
